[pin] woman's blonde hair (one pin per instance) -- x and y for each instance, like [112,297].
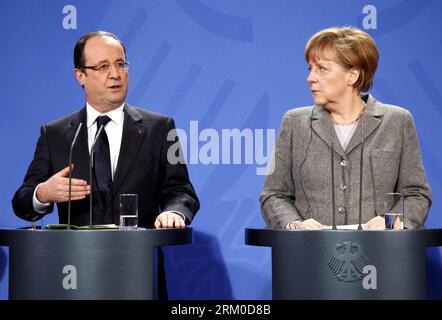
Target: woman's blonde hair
[352,47]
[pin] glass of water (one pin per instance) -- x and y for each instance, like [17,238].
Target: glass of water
[128,211]
[394,211]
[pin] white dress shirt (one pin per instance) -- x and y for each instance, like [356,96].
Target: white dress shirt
[114,131]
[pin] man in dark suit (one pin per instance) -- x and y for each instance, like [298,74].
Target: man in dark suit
[136,155]
[133,153]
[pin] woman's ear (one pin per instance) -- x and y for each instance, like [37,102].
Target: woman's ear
[353,76]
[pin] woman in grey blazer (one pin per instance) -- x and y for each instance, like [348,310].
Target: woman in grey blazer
[298,194]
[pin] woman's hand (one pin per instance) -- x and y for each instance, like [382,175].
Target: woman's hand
[377,223]
[309,224]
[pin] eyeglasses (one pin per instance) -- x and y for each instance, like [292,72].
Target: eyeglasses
[105,67]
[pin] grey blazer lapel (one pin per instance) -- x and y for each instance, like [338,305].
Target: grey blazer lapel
[369,121]
[322,126]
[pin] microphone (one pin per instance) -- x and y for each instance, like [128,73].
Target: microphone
[91,164]
[361,167]
[332,158]
[70,173]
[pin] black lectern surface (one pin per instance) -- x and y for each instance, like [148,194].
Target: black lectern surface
[86,264]
[347,264]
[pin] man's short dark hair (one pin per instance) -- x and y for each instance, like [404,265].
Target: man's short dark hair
[81,43]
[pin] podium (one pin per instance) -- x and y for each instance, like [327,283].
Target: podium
[347,264]
[86,264]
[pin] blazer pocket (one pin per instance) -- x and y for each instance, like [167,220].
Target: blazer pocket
[385,171]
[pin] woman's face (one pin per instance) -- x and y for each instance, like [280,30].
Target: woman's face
[329,82]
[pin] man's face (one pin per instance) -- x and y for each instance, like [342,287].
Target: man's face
[105,90]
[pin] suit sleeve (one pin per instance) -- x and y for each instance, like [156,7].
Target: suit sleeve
[177,192]
[39,171]
[412,180]
[278,195]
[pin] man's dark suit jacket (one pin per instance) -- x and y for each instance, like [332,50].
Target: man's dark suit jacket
[142,168]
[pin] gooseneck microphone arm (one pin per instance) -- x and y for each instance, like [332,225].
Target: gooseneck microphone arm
[91,164]
[70,173]
[332,158]
[361,167]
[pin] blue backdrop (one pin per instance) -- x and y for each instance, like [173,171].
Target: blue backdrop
[214,66]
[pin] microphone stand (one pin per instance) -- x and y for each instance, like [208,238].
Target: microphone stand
[91,164]
[70,173]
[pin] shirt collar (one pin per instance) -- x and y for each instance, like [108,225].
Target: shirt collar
[116,115]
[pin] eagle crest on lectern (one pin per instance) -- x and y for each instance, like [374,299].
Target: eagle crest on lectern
[348,261]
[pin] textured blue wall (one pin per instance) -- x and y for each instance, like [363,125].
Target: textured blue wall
[225,64]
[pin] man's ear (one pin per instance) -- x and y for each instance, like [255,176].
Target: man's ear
[353,76]
[80,75]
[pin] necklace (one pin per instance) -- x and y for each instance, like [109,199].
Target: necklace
[348,123]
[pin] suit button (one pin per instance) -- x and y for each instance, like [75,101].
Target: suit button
[342,186]
[343,162]
[341,209]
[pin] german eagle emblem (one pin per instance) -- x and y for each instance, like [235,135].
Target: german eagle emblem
[348,261]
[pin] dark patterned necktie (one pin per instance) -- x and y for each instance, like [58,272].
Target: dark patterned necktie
[102,164]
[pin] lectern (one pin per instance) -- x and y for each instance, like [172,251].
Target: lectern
[347,264]
[86,264]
